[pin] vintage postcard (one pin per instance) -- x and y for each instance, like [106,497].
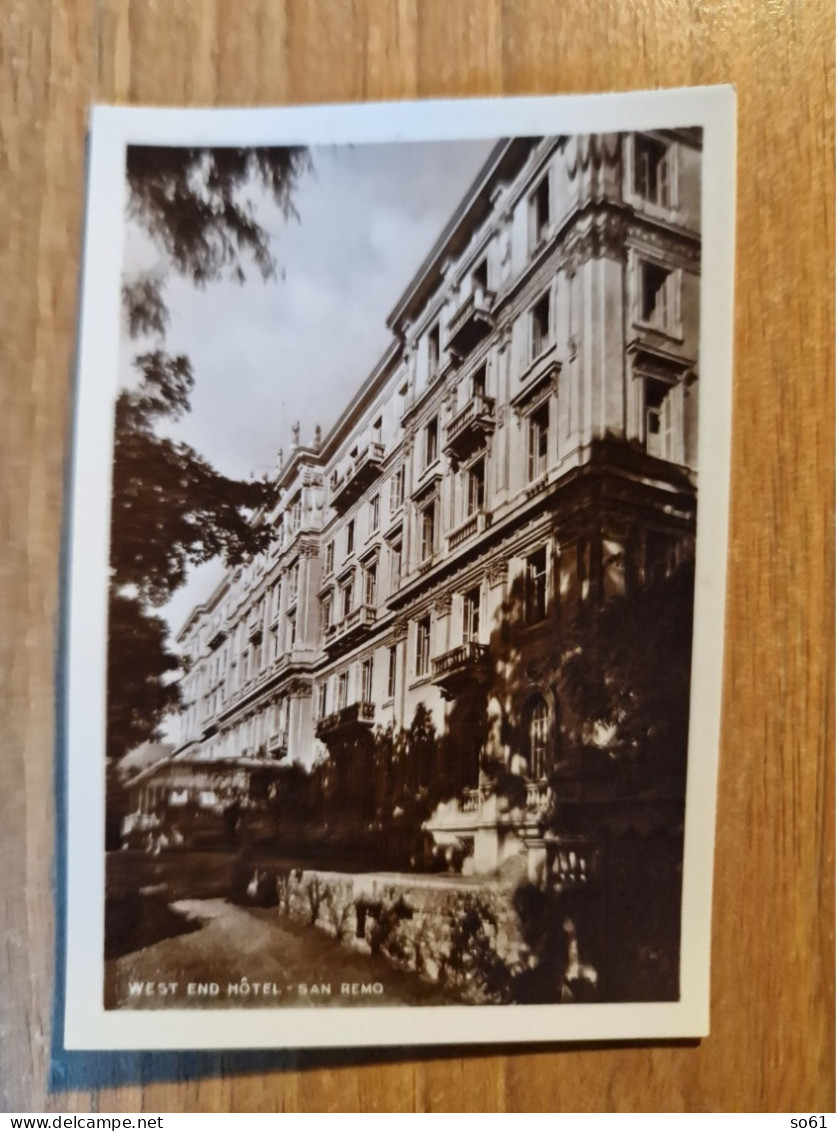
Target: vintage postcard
[397,572]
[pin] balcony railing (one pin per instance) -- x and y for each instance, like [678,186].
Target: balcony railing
[470,426]
[218,634]
[355,623]
[471,801]
[356,477]
[278,743]
[292,533]
[538,797]
[474,524]
[347,721]
[465,665]
[572,861]
[472,321]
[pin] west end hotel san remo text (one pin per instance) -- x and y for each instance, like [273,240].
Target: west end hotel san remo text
[527,443]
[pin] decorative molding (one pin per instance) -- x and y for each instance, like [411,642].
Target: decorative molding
[537,389]
[678,248]
[496,571]
[370,555]
[309,548]
[400,628]
[442,604]
[298,688]
[601,235]
[651,360]
[429,488]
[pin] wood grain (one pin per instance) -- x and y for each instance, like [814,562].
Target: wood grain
[772,1044]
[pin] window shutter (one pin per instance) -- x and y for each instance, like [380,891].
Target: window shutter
[663,185]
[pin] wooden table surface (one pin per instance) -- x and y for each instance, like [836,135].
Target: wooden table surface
[772,1042]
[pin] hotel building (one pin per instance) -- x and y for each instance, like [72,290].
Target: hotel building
[526,444]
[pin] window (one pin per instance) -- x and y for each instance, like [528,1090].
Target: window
[376,430]
[540,213]
[658,296]
[480,278]
[663,420]
[370,584]
[538,442]
[343,689]
[475,487]
[346,599]
[423,646]
[322,700]
[326,613]
[539,739]
[329,559]
[375,513]
[293,582]
[395,566]
[397,490]
[427,526]
[295,516]
[431,442]
[292,631]
[655,392]
[366,681]
[540,328]
[391,672]
[661,557]
[478,382]
[536,609]
[471,616]
[651,171]
[433,352]
[350,536]
[273,645]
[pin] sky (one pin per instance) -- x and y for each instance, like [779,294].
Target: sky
[267,354]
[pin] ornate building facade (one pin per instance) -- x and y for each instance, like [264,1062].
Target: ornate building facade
[527,444]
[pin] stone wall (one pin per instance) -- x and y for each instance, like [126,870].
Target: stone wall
[461,934]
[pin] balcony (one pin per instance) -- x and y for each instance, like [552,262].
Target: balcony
[463,666]
[471,322]
[347,722]
[537,801]
[572,861]
[363,470]
[278,744]
[218,634]
[297,532]
[538,797]
[476,523]
[354,625]
[470,427]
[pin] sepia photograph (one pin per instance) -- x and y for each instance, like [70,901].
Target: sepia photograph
[403,482]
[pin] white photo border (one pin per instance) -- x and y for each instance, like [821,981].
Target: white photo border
[87,1024]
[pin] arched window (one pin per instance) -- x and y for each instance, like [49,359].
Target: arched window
[539,739]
